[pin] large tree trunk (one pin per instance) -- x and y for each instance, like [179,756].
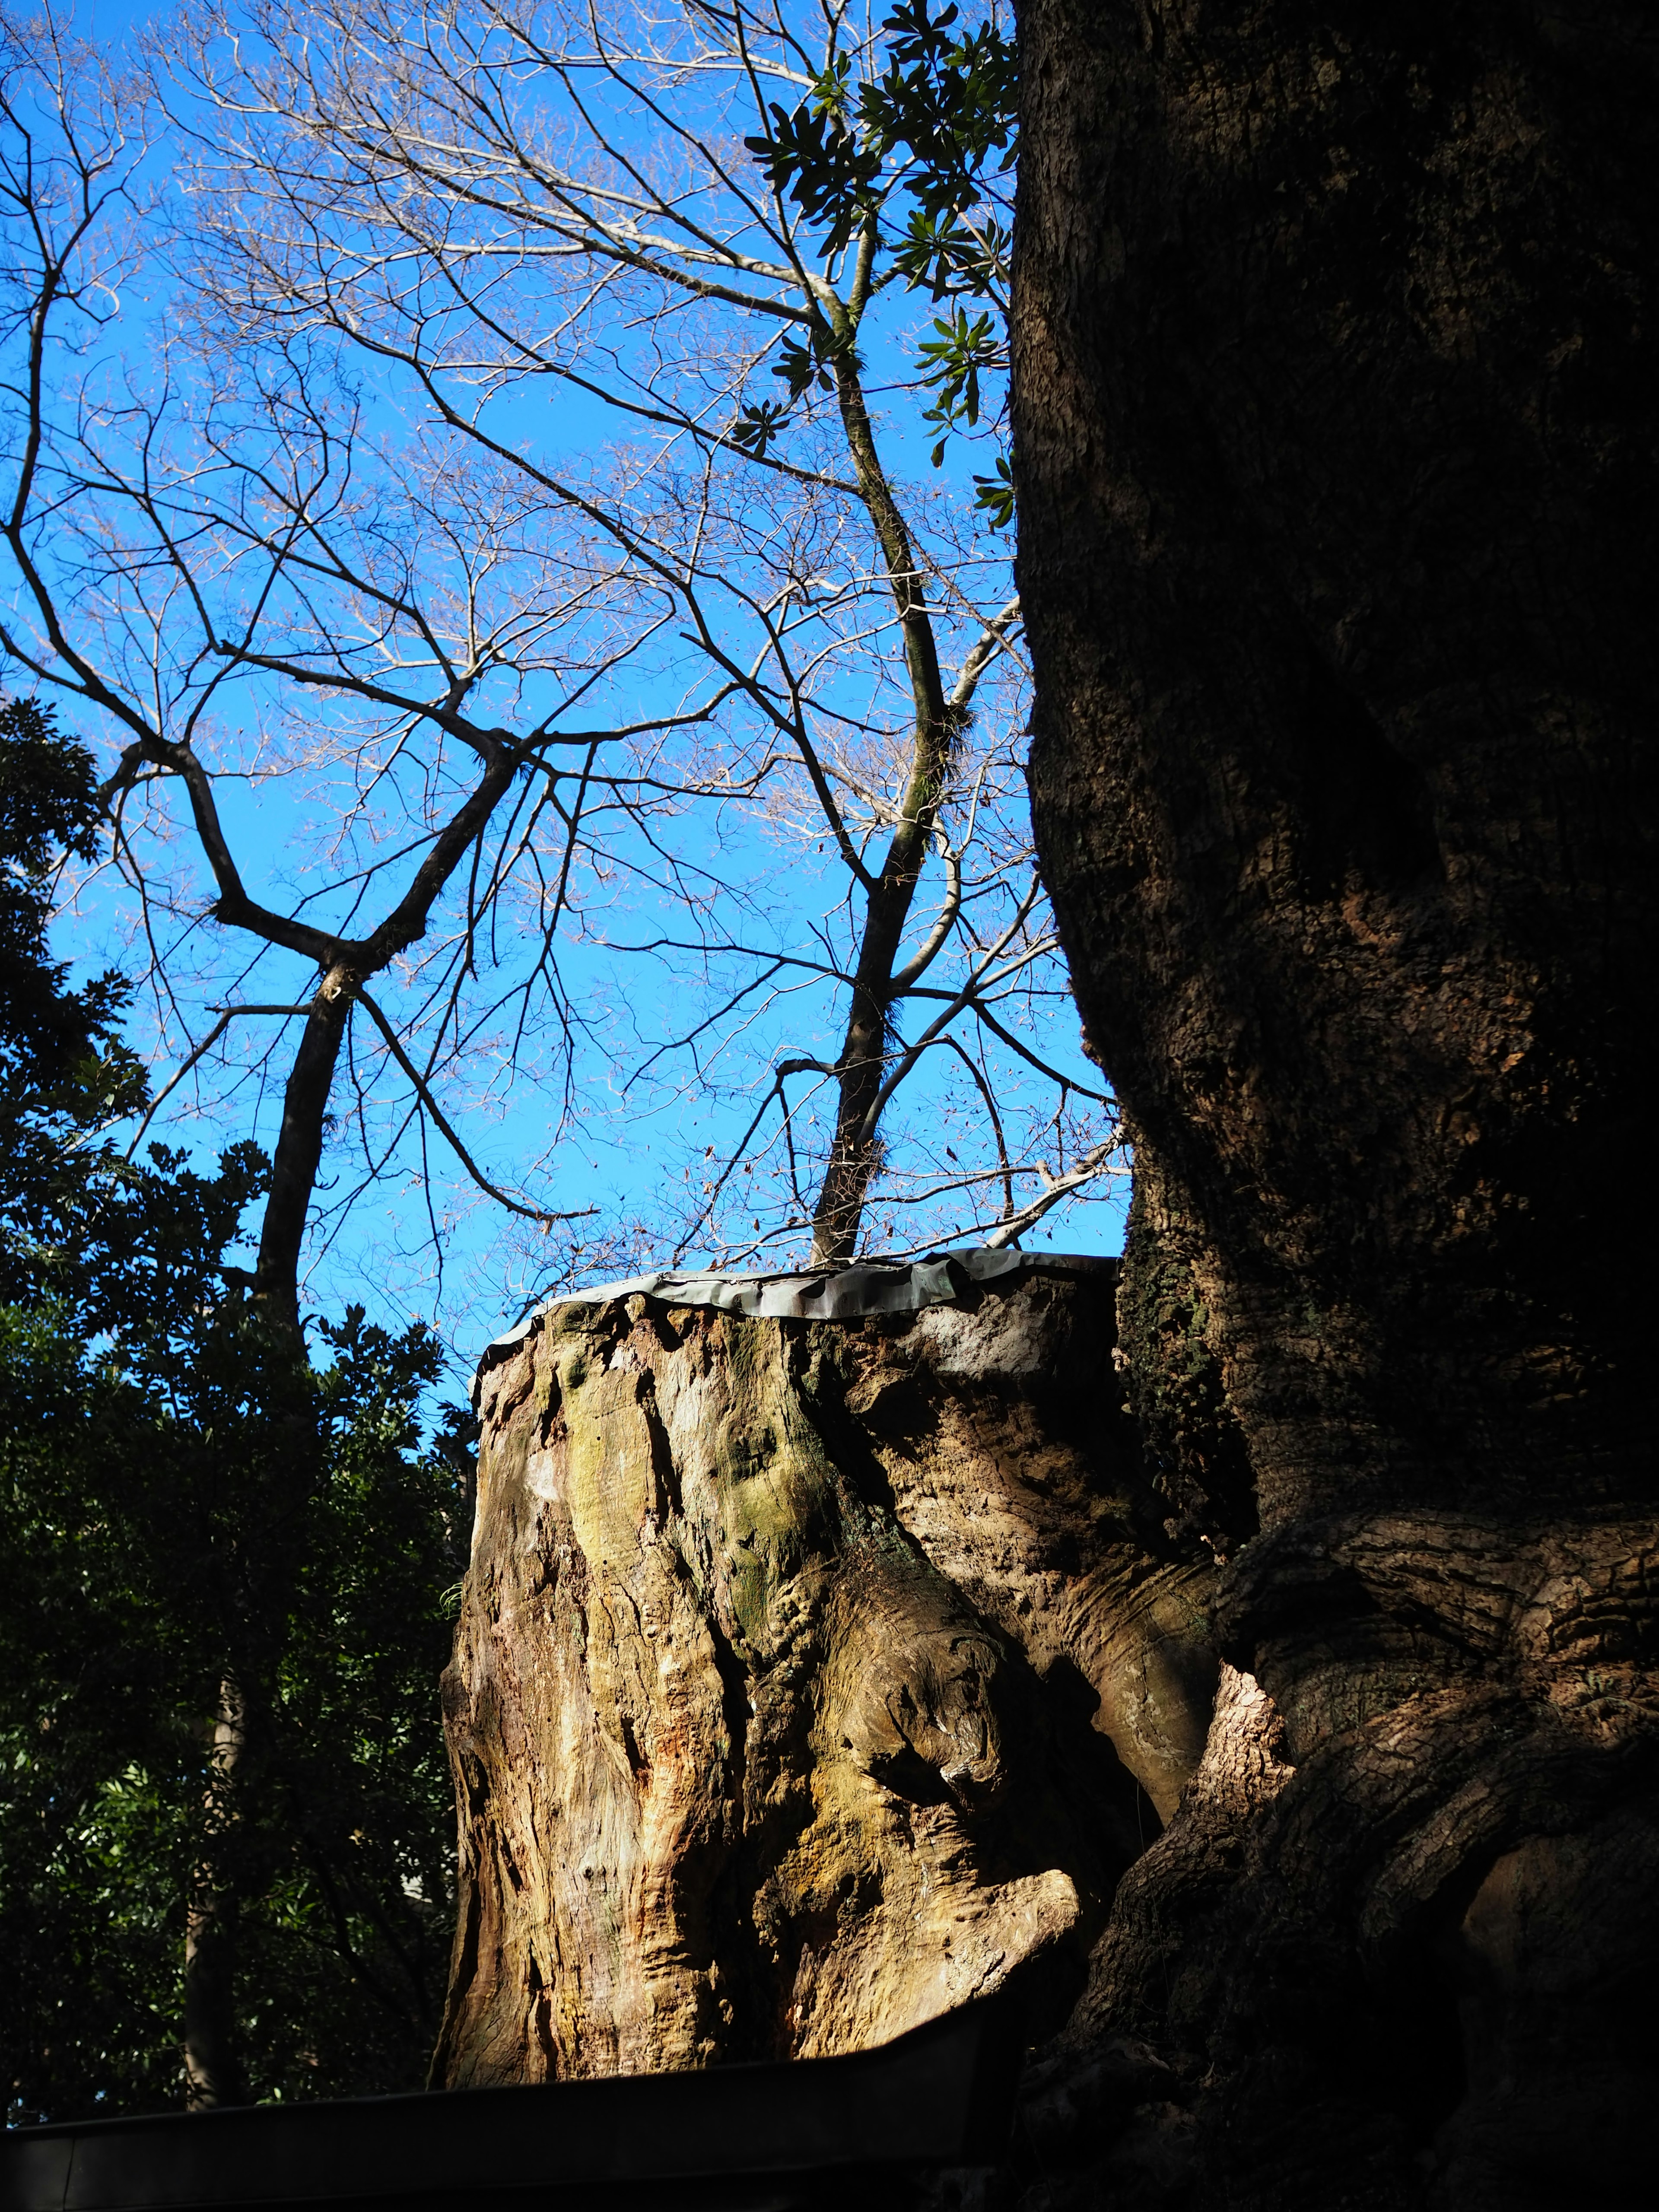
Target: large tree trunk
[1336,376]
[792,1659]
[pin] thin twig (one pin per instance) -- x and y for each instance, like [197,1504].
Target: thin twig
[513,1205]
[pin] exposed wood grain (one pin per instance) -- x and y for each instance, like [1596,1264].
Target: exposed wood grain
[791,1665]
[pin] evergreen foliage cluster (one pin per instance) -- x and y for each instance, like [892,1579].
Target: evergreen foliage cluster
[910,163]
[187,1502]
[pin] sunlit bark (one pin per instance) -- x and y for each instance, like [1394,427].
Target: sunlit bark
[813,1676]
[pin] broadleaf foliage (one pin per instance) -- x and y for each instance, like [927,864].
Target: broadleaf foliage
[186,1499]
[898,164]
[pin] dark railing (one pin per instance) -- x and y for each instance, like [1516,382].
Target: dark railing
[763,2138]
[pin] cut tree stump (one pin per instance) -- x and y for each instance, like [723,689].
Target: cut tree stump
[821,1665]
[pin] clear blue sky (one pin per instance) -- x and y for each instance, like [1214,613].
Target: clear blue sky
[631,1156]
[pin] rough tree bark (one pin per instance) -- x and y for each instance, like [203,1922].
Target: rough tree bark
[1336,375]
[792,1659]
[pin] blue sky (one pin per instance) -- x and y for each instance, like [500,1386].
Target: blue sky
[632,1154]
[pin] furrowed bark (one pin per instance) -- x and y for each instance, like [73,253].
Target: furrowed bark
[1335,355]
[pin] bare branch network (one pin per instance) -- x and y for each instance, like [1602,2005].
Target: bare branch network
[394,488]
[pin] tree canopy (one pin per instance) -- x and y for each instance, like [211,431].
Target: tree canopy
[386,704]
[185,1503]
[528,476]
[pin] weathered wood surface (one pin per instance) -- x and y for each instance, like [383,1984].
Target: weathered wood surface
[812,1678]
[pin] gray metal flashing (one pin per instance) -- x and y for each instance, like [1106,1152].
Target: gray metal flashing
[869,1286]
